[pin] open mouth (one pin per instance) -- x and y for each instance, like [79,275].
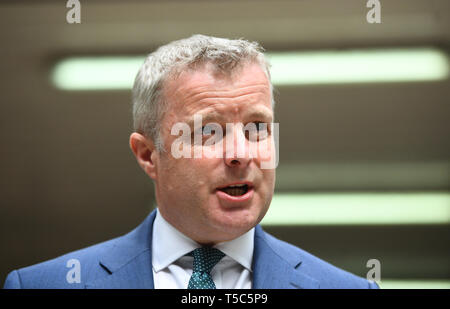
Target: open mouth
[235,190]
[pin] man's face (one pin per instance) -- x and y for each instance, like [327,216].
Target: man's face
[193,194]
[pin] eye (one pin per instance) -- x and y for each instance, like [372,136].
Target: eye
[208,134]
[256,131]
[261,126]
[208,129]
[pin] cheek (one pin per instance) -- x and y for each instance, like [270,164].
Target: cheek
[214,151]
[190,176]
[264,153]
[268,184]
[172,175]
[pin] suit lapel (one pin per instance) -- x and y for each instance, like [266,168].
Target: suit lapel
[129,261]
[273,270]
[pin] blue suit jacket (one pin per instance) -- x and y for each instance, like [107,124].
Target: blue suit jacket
[125,262]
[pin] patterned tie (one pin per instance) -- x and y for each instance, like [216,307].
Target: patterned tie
[205,259]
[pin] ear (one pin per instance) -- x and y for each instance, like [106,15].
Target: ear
[145,152]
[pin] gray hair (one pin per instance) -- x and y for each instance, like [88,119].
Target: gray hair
[148,103]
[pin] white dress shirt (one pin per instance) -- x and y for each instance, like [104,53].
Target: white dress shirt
[172,269]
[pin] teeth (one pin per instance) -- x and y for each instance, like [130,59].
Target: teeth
[236,190]
[237,186]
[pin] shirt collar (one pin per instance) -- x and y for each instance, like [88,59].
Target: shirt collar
[169,245]
[240,249]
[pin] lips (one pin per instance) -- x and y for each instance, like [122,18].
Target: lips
[236,191]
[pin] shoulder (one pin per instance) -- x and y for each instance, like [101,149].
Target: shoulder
[78,268]
[61,272]
[328,275]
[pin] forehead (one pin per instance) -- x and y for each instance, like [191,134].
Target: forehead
[205,89]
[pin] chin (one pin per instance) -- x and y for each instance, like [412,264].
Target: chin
[235,224]
[231,223]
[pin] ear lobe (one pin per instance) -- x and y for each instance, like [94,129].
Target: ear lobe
[145,153]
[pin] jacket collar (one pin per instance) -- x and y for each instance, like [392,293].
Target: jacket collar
[129,262]
[276,267]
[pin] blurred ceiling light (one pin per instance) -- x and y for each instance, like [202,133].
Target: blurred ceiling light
[288,68]
[414,284]
[359,66]
[96,73]
[358,209]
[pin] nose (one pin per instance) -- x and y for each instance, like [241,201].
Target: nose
[237,154]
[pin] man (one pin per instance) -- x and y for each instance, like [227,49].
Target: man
[210,196]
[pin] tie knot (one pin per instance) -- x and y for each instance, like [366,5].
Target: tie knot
[205,258]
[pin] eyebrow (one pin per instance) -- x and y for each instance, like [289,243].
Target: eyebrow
[207,118]
[260,114]
[214,116]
